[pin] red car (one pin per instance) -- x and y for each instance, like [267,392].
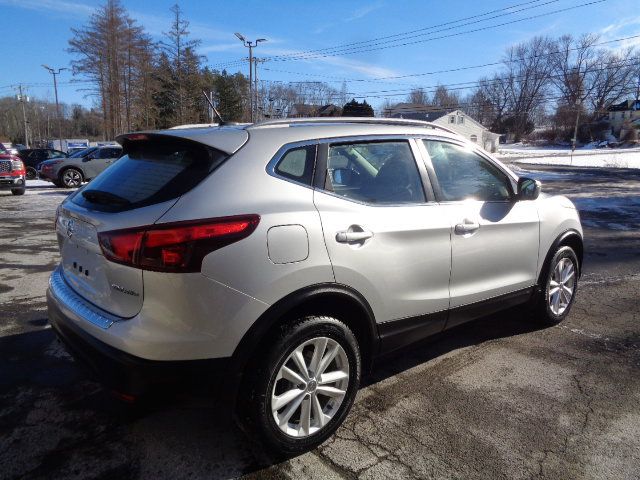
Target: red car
[12,174]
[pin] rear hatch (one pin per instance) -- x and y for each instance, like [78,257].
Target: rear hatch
[134,192]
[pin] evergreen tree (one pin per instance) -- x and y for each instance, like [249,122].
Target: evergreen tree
[356,109]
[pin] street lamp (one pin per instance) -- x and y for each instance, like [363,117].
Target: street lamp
[53,72]
[250,45]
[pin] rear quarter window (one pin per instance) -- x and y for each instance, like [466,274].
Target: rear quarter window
[150,171]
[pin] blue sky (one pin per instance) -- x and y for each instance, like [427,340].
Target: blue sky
[37,31]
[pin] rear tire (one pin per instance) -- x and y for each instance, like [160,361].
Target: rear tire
[31,173]
[71,178]
[299,390]
[558,287]
[18,191]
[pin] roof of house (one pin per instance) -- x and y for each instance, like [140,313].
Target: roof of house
[624,106]
[304,109]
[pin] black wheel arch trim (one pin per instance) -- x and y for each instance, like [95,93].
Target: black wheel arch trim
[560,239]
[281,309]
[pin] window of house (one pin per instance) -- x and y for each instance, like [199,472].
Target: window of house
[474,138]
[463,174]
[460,119]
[375,172]
[297,164]
[452,119]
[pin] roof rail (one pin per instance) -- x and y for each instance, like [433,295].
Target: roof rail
[338,120]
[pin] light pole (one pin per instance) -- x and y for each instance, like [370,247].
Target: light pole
[53,72]
[250,45]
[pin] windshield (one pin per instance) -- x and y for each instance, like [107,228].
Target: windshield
[151,171]
[83,153]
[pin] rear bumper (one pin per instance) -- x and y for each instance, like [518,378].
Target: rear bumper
[127,373]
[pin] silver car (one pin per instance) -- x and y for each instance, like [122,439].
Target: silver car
[79,167]
[285,256]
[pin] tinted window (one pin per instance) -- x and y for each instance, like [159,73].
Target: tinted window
[297,164]
[83,153]
[110,152]
[151,171]
[463,174]
[380,173]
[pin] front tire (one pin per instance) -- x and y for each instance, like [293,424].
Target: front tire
[304,385]
[558,287]
[18,191]
[71,178]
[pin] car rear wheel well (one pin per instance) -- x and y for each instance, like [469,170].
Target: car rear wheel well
[330,300]
[72,167]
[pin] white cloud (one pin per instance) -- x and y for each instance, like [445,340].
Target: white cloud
[364,11]
[71,8]
[621,29]
[320,64]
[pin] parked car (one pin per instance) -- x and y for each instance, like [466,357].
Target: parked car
[78,167]
[12,174]
[33,156]
[8,148]
[287,255]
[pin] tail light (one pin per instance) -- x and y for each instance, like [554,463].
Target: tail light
[175,247]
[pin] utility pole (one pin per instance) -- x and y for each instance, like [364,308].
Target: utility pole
[53,72]
[257,60]
[24,116]
[250,45]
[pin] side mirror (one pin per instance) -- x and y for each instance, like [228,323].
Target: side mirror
[528,188]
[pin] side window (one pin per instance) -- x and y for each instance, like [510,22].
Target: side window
[463,174]
[376,172]
[297,164]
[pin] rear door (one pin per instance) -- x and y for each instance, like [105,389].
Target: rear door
[494,241]
[384,237]
[137,191]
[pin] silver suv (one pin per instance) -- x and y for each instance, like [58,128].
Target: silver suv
[80,166]
[287,255]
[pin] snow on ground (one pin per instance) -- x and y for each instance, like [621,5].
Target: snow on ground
[619,158]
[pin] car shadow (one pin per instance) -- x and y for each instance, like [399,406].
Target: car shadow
[148,439]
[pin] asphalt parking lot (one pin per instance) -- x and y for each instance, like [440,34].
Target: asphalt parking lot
[498,398]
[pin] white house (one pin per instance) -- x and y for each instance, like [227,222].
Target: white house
[456,120]
[623,116]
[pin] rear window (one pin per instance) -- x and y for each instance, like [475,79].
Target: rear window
[150,171]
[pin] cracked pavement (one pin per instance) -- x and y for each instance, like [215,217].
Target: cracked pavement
[497,398]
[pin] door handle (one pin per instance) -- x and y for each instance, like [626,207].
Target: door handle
[353,237]
[466,227]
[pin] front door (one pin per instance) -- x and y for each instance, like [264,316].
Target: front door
[494,243]
[384,238]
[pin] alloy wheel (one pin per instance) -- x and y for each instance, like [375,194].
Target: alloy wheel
[71,178]
[310,387]
[561,286]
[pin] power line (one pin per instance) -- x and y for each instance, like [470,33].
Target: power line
[381,45]
[403,34]
[435,72]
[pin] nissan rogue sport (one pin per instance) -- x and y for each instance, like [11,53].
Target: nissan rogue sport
[286,255]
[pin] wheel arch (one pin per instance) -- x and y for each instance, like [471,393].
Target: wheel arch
[67,167]
[335,300]
[568,238]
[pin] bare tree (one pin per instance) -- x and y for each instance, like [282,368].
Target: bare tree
[180,50]
[418,96]
[526,76]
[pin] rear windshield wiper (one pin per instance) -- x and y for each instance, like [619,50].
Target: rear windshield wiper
[105,198]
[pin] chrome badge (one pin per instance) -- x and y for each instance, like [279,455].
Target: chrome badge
[120,289]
